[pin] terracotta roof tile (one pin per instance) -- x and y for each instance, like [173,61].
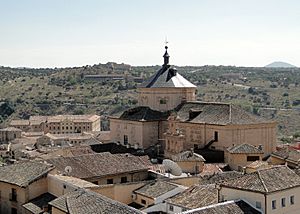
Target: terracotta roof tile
[266,180]
[88,202]
[155,189]
[187,156]
[196,196]
[216,113]
[101,164]
[232,207]
[22,174]
[244,149]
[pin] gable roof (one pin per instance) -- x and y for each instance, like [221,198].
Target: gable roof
[267,180]
[219,177]
[233,207]
[195,196]
[155,189]
[187,156]
[11,129]
[23,174]
[36,206]
[244,148]
[167,77]
[144,113]
[98,165]
[88,202]
[216,113]
[287,154]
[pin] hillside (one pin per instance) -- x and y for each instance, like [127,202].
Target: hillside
[271,92]
[279,65]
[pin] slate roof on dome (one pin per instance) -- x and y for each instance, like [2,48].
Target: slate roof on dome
[216,113]
[167,77]
[143,113]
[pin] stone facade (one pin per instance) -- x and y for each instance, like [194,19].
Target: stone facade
[165,99]
[182,136]
[9,134]
[141,134]
[59,124]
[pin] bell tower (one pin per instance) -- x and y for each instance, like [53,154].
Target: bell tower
[166,89]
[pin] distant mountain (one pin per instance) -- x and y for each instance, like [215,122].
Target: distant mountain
[280,65]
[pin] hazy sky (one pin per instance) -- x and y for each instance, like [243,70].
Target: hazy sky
[58,33]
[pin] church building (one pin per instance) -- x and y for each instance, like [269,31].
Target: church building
[169,115]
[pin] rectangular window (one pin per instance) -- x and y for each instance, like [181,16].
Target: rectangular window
[110,181]
[273,204]
[252,158]
[171,208]
[13,195]
[283,202]
[258,204]
[292,200]
[123,179]
[216,136]
[143,201]
[125,139]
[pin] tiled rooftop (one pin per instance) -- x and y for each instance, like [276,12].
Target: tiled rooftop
[187,156]
[88,202]
[210,169]
[232,207]
[77,182]
[22,174]
[196,196]
[219,177]
[268,180]
[288,154]
[36,205]
[216,113]
[10,129]
[244,149]
[155,189]
[258,164]
[58,118]
[143,113]
[101,164]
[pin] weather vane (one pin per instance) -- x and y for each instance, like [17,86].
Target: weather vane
[166,41]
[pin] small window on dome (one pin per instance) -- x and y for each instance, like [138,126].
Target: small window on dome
[163,101]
